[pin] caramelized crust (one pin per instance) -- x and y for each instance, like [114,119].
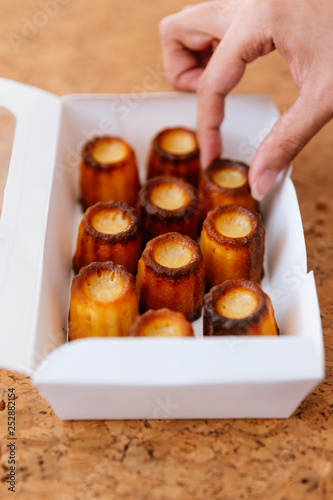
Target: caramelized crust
[171,274]
[108,171]
[168,204]
[232,243]
[238,307]
[225,182]
[175,152]
[161,323]
[103,302]
[119,242]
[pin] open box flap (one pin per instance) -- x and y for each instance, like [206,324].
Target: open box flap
[24,216]
[285,261]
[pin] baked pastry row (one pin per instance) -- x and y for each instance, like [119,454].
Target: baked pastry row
[232,237]
[104,303]
[108,171]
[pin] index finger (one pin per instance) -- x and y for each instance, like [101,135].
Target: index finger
[224,70]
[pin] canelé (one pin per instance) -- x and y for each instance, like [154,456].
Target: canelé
[161,323]
[238,307]
[109,231]
[232,243]
[103,302]
[171,274]
[225,182]
[175,152]
[108,171]
[168,204]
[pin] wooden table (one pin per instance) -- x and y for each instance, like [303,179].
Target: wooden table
[109,46]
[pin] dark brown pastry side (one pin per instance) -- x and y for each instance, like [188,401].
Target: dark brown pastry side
[233,257]
[221,320]
[178,288]
[225,182]
[164,162]
[113,180]
[157,219]
[122,247]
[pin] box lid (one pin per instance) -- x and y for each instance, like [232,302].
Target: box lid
[22,231]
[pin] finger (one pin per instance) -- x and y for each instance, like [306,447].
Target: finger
[240,45]
[188,77]
[208,19]
[223,71]
[188,36]
[182,66]
[288,136]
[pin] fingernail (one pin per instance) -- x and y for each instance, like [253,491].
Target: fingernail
[262,184]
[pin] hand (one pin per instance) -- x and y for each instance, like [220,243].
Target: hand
[206,49]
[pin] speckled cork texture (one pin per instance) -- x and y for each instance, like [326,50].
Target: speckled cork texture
[110,46]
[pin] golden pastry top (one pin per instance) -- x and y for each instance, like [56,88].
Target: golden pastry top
[233,224]
[162,327]
[104,286]
[237,303]
[110,221]
[161,323]
[178,141]
[169,196]
[109,150]
[172,254]
[229,177]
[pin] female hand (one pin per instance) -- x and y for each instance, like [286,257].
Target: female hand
[206,48]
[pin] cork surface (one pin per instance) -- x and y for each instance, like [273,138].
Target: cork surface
[109,46]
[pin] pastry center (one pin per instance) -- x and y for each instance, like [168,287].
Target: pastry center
[106,287]
[172,254]
[237,304]
[163,327]
[233,225]
[110,222]
[169,196]
[110,151]
[229,178]
[178,142]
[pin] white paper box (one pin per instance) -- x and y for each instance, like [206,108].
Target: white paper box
[224,377]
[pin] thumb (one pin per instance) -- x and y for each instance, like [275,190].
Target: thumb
[288,136]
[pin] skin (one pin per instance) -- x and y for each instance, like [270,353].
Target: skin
[206,48]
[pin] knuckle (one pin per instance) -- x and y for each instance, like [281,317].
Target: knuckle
[208,86]
[267,9]
[201,86]
[172,79]
[166,26]
[187,7]
[292,144]
[204,86]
